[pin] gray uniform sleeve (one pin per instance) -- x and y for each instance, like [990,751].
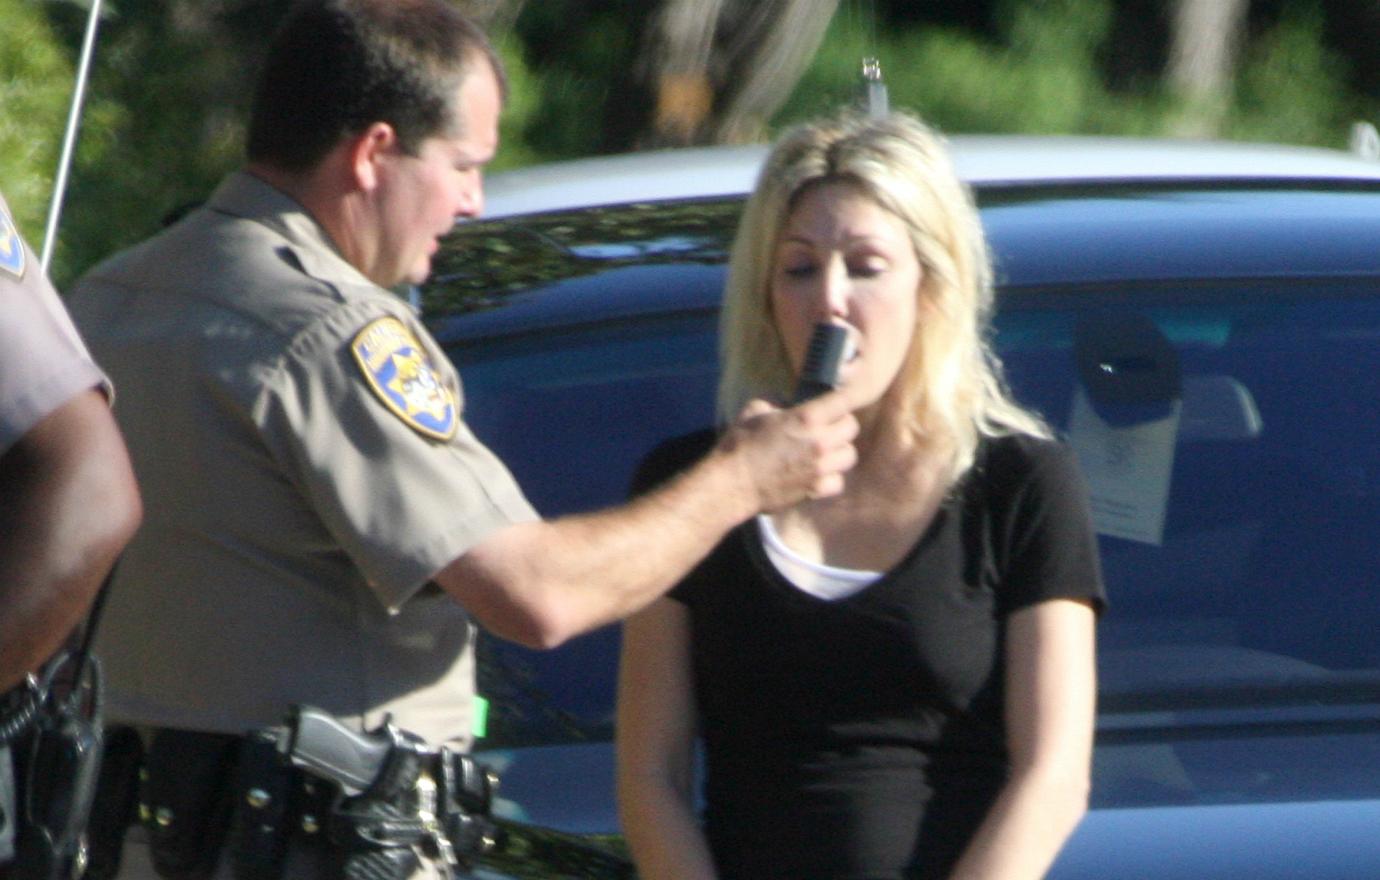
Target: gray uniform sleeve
[366,413]
[43,362]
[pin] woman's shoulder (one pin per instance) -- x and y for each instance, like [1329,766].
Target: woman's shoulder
[1040,513]
[1019,459]
[1017,448]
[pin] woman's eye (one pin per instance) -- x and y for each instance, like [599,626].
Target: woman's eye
[866,270]
[801,270]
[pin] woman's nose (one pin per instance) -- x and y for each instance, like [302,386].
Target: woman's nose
[834,292]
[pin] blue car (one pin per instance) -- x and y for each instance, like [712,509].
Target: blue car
[1201,322]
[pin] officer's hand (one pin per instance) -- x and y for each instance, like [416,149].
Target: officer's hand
[789,455]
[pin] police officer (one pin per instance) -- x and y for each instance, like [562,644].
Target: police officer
[68,501]
[321,524]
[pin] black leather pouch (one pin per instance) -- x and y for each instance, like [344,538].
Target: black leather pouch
[117,801]
[187,799]
[266,810]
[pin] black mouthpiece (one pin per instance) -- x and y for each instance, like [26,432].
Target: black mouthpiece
[823,358]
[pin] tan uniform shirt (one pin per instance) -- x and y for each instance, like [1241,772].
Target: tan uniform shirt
[305,471]
[43,363]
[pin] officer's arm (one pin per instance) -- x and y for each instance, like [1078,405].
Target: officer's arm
[68,505]
[540,583]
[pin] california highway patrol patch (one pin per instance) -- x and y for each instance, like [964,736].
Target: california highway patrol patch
[400,372]
[11,248]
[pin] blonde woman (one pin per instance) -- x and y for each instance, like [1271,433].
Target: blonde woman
[897,681]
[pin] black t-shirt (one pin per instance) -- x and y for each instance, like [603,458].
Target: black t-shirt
[864,737]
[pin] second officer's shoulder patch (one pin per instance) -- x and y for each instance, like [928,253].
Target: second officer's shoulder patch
[401,374]
[11,248]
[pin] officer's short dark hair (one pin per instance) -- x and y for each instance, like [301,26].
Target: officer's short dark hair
[335,67]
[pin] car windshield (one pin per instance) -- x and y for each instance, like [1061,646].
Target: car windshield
[1229,432]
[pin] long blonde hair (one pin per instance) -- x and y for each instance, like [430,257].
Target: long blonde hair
[951,380]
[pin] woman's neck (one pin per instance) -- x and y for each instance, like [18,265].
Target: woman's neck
[889,499]
[893,451]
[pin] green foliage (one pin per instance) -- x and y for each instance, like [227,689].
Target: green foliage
[1041,75]
[1293,89]
[164,122]
[169,92]
[167,115]
[35,84]
[524,95]
[577,74]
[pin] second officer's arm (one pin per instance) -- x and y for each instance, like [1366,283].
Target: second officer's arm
[69,506]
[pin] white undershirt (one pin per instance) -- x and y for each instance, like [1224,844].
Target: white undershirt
[822,581]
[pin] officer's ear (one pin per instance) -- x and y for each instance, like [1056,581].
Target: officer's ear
[376,144]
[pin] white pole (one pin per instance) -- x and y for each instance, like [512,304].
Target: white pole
[70,139]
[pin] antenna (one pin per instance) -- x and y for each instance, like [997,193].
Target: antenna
[70,139]
[1365,141]
[873,95]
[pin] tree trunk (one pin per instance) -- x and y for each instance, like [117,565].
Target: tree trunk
[768,54]
[676,66]
[719,69]
[1206,36]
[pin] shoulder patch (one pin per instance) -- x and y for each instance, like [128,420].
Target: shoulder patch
[11,248]
[401,374]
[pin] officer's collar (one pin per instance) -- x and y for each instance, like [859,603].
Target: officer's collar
[244,195]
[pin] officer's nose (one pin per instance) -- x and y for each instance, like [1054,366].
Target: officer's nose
[471,201]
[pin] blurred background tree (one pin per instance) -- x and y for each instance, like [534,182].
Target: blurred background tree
[1205,37]
[717,71]
[171,78]
[35,81]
